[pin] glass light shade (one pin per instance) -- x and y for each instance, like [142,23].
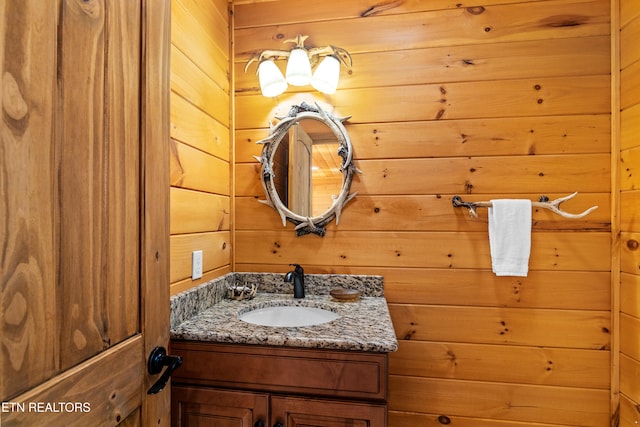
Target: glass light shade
[325,78]
[298,68]
[272,82]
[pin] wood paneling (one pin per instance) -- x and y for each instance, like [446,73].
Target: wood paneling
[630,127]
[493,100]
[629,316]
[630,377]
[489,23]
[551,251]
[508,98]
[197,211]
[500,401]
[193,127]
[450,64]
[480,175]
[481,362]
[426,213]
[215,247]
[193,169]
[201,139]
[531,327]
[471,137]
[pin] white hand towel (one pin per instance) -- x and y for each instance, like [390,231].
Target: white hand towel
[510,236]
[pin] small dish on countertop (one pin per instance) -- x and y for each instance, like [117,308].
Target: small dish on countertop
[241,292]
[345,295]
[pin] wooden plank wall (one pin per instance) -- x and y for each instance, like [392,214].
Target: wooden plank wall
[496,99]
[630,204]
[200,140]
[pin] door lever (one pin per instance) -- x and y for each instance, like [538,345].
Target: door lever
[158,359]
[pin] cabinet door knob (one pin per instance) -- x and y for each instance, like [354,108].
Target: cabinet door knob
[259,423]
[278,425]
[157,360]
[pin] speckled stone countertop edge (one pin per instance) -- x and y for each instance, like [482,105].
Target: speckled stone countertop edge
[364,325]
[189,303]
[204,313]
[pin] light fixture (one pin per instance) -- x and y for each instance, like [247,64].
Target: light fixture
[272,82]
[298,67]
[300,62]
[325,78]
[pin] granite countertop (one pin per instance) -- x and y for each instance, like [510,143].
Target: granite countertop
[363,325]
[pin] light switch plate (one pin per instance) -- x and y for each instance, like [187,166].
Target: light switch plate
[196,265]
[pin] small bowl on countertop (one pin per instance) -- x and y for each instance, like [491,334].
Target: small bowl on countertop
[241,292]
[345,295]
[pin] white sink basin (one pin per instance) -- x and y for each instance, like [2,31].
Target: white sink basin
[288,315]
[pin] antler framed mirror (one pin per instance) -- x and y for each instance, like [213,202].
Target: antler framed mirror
[307,168]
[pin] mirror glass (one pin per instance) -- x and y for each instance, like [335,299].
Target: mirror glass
[307,168]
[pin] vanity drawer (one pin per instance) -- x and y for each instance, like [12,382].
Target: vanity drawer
[283,369]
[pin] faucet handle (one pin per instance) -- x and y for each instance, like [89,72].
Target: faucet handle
[298,268]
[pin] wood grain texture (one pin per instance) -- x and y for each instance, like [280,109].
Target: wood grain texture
[193,127]
[546,328]
[430,213]
[195,170]
[216,248]
[460,175]
[200,171]
[155,262]
[500,401]
[630,127]
[450,64]
[470,137]
[552,251]
[446,27]
[531,365]
[27,229]
[83,203]
[630,377]
[85,92]
[261,12]
[628,316]
[492,100]
[199,30]
[447,101]
[630,335]
[192,83]
[195,211]
[630,294]
[110,398]
[629,411]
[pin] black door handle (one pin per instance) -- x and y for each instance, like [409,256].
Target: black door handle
[259,423]
[157,360]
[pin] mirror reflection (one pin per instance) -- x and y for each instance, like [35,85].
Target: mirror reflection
[306,167]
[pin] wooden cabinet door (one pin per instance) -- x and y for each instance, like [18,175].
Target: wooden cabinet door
[84,240]
[301,412]
[206,407]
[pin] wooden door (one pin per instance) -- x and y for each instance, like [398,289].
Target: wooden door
[300,155]
[83,210]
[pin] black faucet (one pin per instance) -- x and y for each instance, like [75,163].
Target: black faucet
[297,275]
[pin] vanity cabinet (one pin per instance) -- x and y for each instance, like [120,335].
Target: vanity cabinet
[246,385]
[198,406]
